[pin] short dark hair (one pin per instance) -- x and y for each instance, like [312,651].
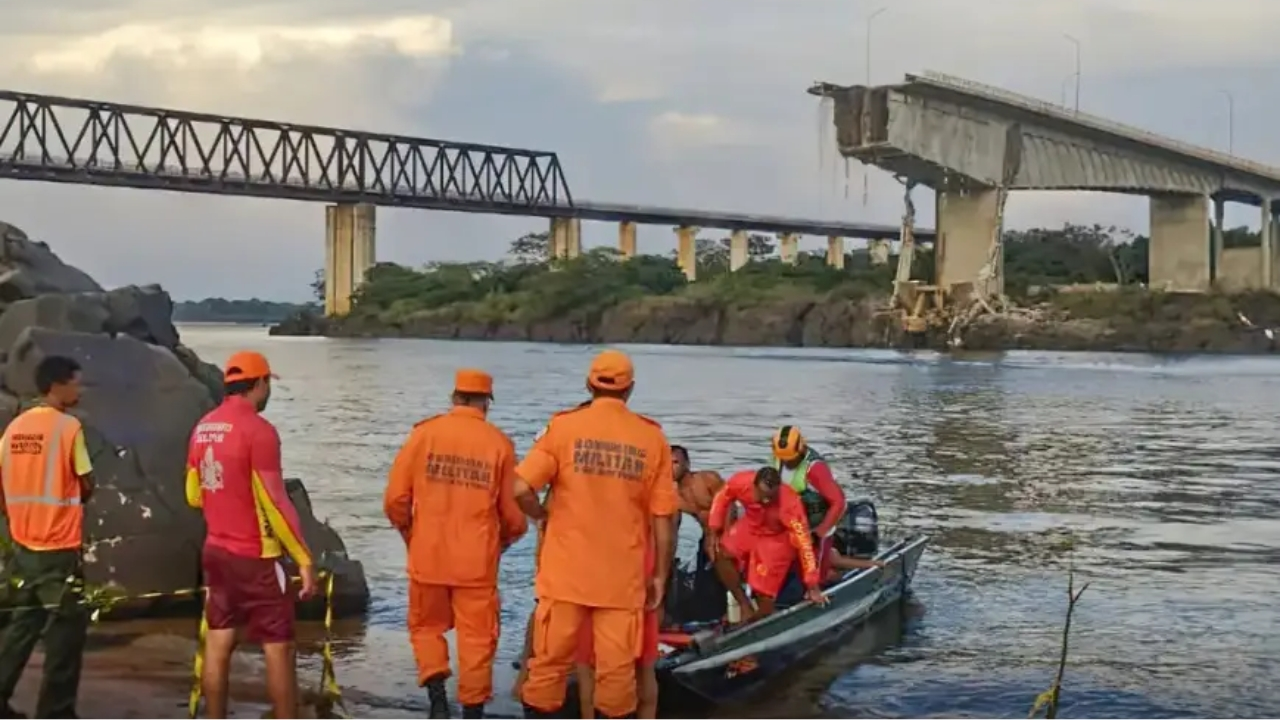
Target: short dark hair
[55,370]
[598,392]
[768,477]
[680,450]
[469,398]
[240,387]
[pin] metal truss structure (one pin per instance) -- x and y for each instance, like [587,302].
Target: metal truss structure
[85,142]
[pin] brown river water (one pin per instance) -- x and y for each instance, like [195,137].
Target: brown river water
[1157,479]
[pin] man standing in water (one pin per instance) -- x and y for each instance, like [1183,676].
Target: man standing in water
[234,474]
[45,476]
[450,496]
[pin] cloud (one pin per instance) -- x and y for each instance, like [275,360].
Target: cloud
[689,104]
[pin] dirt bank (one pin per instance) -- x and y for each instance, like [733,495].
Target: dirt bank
[1124,321]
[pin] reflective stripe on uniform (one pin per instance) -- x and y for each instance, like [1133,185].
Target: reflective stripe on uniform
[53,456]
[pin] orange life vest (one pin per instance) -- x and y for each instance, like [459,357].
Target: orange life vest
[41,489]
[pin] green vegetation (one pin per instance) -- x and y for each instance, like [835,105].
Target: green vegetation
[235,311]
[526,288]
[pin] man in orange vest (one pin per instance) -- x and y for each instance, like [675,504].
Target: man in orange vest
[45,476]
[609,470]
[450,495]
[234,475]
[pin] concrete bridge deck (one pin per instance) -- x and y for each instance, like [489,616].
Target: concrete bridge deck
[967,140]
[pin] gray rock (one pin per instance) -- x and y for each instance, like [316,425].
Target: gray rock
[145,313]
[29,268]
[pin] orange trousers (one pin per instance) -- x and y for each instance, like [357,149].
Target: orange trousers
[617,637]
[473,611]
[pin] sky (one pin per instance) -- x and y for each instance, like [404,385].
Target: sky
[692,104]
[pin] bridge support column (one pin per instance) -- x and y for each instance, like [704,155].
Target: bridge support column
[789,248]
[879,251]
[835,252]
[627,239]
[966,227]
[1177,259]
[566,238]
[350,249]
[687,251]
[739,254]
[1268,245]
[1217,246]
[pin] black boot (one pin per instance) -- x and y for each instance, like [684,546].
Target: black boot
[473,711]
[439,699]
[533,712]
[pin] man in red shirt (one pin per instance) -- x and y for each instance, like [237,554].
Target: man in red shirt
[804,470]
[767,540]
[234,474]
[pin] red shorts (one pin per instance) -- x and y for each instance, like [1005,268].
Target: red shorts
[648,644]
[250,593]
[764,559]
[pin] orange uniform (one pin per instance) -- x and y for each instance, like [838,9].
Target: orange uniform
[42,457]
[767,539]
[610,471]
[450,495]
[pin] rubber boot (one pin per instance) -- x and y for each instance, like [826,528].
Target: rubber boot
[473,711]
[439,699]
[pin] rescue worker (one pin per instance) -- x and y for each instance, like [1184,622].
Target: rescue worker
[610,473]
[234,475]
[449,494]
[46,478]
[768,539]
[804,471]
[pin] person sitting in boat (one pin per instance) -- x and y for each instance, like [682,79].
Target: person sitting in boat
[697,491]
[808,474]
[767,540]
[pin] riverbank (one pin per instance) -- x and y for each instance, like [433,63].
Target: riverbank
[1126,320]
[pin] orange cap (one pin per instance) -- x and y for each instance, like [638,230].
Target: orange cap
[611,370]
[247,365]
[474,382]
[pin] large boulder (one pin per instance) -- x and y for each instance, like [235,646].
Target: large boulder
[143,394]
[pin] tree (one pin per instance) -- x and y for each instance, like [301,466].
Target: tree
[317,285]
[531,248]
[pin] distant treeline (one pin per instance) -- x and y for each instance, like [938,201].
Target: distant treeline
[240,311]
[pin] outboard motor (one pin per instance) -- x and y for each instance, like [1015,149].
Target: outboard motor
[858,534]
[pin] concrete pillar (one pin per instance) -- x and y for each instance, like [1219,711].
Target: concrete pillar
[835,252]
[627,239]
[1217,246]
[566,238]
[789,247]
[739,254]
[966,226]
[350,244]
[1268,247]
[687,251]
[1177,258]
[879,251]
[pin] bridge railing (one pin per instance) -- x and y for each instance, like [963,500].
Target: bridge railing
[1037,105]
[67,140]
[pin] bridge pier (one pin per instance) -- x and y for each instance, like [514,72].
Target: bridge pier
[687,251]
[1177,258]
[349,251]
[1249,268]
[789,247]
[566,238]
[627,239]
[835,252]
[1268,245]
[879,251]
[966,226]
[739,250]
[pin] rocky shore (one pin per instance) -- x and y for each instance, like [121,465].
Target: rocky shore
[144,391]
[1100,321]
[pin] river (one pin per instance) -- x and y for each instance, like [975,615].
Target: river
[1155,478]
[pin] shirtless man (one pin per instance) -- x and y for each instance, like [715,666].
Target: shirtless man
[697,491]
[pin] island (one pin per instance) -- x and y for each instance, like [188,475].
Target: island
[1069,288]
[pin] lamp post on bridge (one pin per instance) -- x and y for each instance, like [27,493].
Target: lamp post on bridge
[1231,121]
[866,176]
[1070,38]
